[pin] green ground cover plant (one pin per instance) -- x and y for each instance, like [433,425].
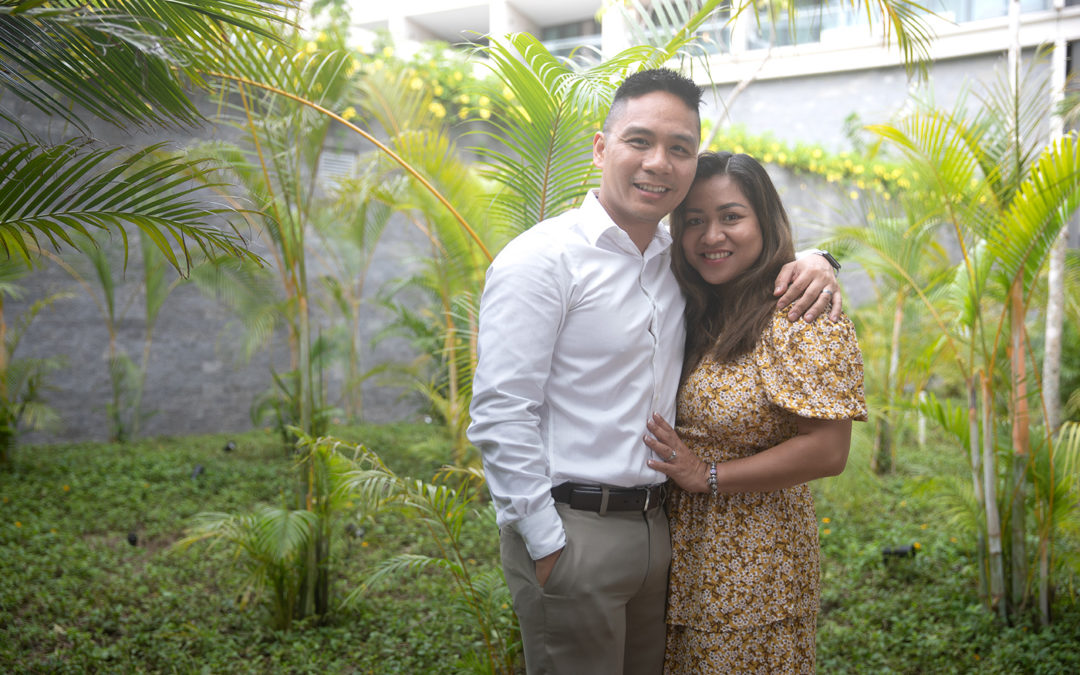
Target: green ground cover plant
[76,596]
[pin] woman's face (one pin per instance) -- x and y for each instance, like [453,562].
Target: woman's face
[721,237]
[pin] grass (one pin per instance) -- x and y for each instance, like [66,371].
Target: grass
[75,596]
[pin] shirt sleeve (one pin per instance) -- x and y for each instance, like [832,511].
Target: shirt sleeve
[521,311]
[815,370]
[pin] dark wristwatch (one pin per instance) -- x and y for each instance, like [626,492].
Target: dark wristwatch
[830,259]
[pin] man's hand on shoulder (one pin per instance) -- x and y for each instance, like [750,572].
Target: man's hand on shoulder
[807,287]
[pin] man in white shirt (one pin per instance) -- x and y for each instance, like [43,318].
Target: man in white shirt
[580,341]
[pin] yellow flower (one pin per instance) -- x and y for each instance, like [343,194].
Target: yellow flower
[416,83]
[904,183]
[861,184]
[387,52]
[858,169]
[376,65]
[354,66]
[483,101]
[853,194]
[508,93]
[438,90]
[826,531]
[952,540]
[887,196]
[437,109]
[923,526]
[767,159]
[826,520]
[67,488]
[739,149]
[903,503]
[458,76]
[311,48]
[463,113]
[917,546]
[52,530]
[363,544]
[18,524]
[782,157]
[348,113]
[463,99]
[485,114]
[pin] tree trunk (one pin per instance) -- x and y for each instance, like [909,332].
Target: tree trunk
[1021,442]
[977,485]
[993,518]
[1055,318]
[885,441]
[1055,283]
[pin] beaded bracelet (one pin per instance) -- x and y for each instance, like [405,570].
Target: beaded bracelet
[712,479]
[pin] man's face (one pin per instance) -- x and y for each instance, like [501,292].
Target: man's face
[648,158]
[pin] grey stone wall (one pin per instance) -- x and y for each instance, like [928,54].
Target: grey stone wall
[196,380]
[196,386]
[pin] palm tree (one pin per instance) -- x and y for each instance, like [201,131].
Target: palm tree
[897,248]
[1005,195]
[128,64]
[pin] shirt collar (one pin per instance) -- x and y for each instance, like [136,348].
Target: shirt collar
[597,224]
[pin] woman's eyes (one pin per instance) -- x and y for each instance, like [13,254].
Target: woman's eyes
[726,218]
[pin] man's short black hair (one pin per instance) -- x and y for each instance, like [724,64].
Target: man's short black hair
[656,79]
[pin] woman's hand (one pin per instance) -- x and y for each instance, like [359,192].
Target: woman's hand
[676,460]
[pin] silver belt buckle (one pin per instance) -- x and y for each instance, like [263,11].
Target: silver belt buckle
[648,496]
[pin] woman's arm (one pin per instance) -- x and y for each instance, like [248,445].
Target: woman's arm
[819,449]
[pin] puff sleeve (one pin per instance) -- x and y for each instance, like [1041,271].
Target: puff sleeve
[814,369]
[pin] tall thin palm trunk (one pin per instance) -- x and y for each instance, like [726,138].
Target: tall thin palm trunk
[993,518]
[1021,440]
[977,478]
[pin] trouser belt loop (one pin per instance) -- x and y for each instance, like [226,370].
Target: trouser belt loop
[604,495]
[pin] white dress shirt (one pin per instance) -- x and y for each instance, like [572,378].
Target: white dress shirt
[580,341]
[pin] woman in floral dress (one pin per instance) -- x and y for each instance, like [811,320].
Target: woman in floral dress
[765,406]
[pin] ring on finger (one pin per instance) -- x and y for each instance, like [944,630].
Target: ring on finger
[826,292]
[673,456]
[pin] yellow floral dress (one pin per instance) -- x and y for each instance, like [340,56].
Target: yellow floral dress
[744,588]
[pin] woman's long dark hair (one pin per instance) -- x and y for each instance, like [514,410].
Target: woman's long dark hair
[728,319]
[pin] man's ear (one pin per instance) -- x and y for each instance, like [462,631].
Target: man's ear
[598,143]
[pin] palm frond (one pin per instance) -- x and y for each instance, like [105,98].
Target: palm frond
[251,294]
[126,63]
[1040,210]
[541,158]
[53,194]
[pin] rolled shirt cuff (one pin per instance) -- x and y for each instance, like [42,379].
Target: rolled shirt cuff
[542,531]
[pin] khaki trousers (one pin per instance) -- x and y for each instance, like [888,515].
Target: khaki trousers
[602,610]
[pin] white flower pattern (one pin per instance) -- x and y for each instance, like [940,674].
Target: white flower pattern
[744,562]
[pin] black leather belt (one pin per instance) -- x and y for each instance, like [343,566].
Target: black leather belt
[603,499]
